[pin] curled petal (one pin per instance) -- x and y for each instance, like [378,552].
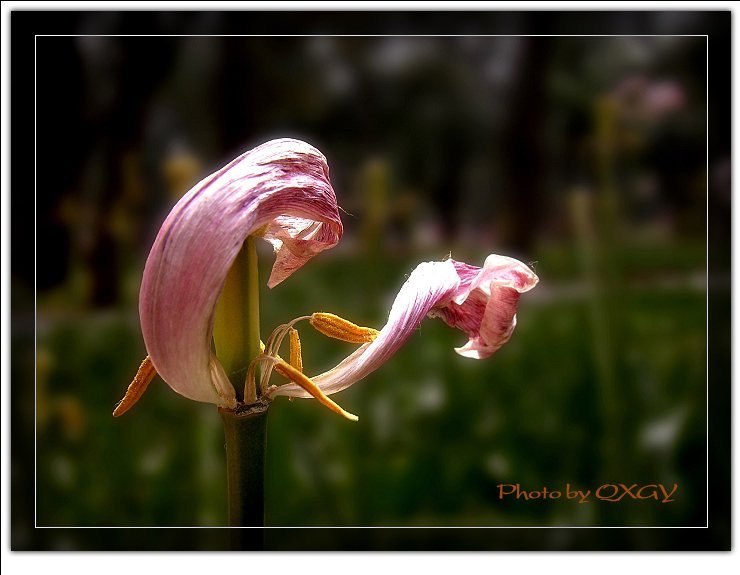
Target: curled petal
[484,306]
[279,190]
[479,301]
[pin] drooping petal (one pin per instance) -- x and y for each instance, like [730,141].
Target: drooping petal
[479,301]
[279,190]
[484,306]
[296,240]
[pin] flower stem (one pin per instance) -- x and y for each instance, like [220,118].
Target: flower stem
[245,434]
[237,336]
[236,329]
[253,313]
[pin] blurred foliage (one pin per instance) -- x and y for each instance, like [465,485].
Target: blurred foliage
[437,432]
[583,156]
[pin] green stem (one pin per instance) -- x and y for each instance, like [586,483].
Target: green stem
[245,434]
[236,329]
[253,314]
[237,337]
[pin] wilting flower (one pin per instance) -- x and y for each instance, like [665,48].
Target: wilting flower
[281,191]
[479,301]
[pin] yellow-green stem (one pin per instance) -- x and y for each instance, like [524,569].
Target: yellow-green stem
[237,337]
[236,329]
[253,312]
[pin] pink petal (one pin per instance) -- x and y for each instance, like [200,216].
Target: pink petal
[479,301]
[485,305]
[280,190]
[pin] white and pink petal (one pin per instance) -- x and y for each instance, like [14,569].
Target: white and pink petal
[479,301]
[485,305]
[280,190]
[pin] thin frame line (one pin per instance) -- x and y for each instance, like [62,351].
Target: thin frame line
[705,36]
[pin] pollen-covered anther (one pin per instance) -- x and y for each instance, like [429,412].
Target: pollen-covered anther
[334,326]
[300,379]
[296,359]
[138,386]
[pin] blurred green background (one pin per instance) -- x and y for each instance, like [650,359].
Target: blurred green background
[583,156]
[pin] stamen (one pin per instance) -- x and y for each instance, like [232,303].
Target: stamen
[250,381]
[276,337]
[281,371]
[300,379]
[138,386]
[272,348]
[296,359]
[334,326]
[326,323]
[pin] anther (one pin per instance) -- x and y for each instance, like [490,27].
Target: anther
[296,359]
[334,326]
[138,386]
[300,379]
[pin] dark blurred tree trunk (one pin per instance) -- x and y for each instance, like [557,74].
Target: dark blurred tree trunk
[63,141]
[140,67]
[524,142]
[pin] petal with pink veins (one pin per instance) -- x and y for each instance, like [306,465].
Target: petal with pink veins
[279,190]
[481,302]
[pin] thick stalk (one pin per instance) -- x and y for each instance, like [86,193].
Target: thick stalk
[253,314]
[237,338]
[236,330]
[245,434]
